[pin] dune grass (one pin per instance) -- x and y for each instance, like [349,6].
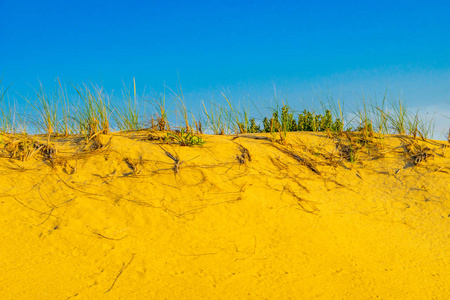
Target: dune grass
[335,108]
[181,111]
[66,122]
[216,117]
[8,123]
[46,107]
[93,115]
[7,118]
[90,111]
[127,114]
[160,120]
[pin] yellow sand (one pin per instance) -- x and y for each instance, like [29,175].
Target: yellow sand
[124,222]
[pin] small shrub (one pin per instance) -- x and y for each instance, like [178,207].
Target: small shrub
[250,127]
[308,121]
[185,138]
[287,119]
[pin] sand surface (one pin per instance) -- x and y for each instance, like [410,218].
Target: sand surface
[239,218]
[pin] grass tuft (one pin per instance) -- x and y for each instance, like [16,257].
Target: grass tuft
[93,116]
[160,121]
[127,116]
[216,118]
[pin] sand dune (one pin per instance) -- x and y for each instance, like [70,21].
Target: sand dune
[128,216]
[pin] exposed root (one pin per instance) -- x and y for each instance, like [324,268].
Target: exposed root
[248,136]
[301,202]
[105,237]
[278,163]
[304,160]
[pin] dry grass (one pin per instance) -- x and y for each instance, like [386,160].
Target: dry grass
[244,155]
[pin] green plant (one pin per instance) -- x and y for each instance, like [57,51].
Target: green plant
[93,116]
[272,124]
[398,119]
[127,116]
[197,124]
[381,115]
[305,121]
[232,116]
[7,119]
[350,151]
[353,154]
[161,122]
[243,122]
[364,117]
[335,109]
[282,121]
[65,125]
[46,108]
[413,125]
[184,138]
[308,121]
[248,126]
[426,127]
[3,92]
[216,117]
[184,112]
[287,120]
[182,109]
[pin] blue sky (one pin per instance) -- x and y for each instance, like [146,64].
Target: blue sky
[243,47]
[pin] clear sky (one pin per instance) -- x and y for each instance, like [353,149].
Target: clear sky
[244,47]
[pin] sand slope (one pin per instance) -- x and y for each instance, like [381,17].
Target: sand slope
[239,218]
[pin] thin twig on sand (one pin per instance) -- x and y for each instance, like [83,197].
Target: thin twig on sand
[124,266]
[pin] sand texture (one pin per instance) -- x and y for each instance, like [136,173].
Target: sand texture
[129,216]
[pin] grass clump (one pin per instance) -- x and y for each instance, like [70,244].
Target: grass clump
[398,118]
[350,152]
[403,122]
[93,116]
[160,120]
[216,118]
[334,109]
[7,114]
[47,111]
[66,125]
[11,121]
[182,109]
[8,122]
[127,116]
